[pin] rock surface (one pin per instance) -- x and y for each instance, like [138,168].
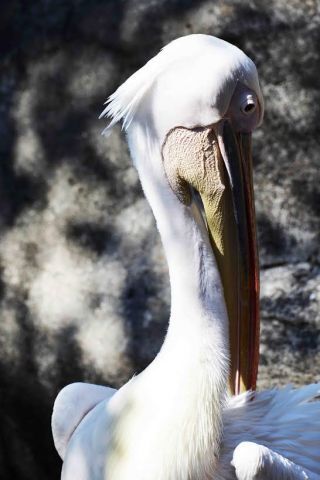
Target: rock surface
[84,286]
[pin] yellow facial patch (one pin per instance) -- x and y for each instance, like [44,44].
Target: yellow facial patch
[192,158]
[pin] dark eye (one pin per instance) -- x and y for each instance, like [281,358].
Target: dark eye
[248,106]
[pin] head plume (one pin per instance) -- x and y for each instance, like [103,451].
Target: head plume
[205,69]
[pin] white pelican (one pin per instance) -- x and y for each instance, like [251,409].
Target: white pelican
[188,114]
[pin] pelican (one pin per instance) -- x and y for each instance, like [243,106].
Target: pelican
[192,414]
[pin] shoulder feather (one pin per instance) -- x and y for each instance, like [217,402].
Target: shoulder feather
[71,405]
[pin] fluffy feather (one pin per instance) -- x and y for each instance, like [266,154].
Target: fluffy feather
[286,421]
[225,65]
[70,407]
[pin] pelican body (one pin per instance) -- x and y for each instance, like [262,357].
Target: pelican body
[192,414]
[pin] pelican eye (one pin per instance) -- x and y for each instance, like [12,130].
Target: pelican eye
[248,106]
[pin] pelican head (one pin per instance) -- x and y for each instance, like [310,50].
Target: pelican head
[197,102]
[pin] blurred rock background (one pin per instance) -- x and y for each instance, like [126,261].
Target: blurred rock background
[84,286]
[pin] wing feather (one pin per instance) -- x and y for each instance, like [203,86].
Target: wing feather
[71,405]
[286,420]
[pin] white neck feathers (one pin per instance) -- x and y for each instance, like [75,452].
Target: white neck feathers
[196,345]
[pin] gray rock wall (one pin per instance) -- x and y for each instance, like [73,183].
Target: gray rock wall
[84,286]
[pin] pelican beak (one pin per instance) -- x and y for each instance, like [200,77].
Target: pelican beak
[233,240]
[218,164]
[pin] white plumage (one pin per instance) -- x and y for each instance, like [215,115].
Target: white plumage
[175,420]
